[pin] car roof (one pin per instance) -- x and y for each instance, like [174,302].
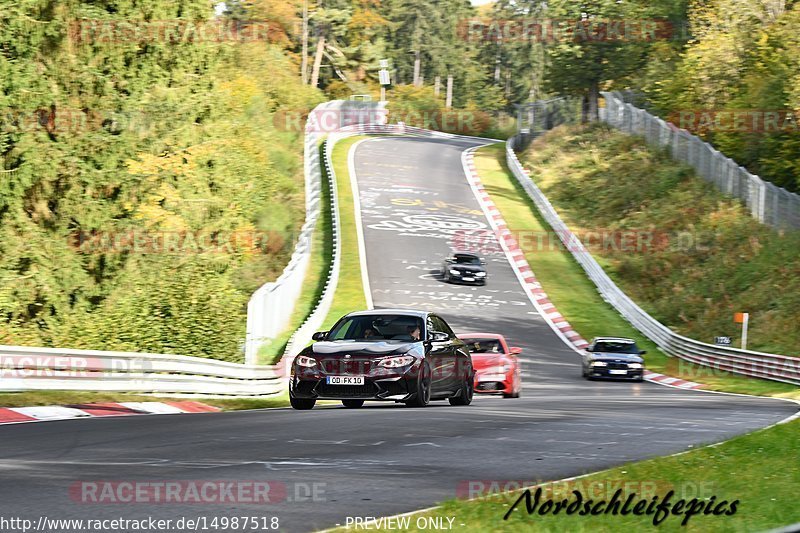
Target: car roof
[613,339]
[465,252]
[401,312]
[484,335]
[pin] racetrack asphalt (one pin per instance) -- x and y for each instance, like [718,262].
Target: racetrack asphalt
[384,458]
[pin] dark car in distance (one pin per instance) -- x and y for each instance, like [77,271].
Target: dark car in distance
[464,267]
[398,355]
[614,358]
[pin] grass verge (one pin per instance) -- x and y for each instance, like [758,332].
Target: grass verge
[349,295]
[575,295]
[765,489]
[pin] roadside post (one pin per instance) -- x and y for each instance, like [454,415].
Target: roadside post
[743,319]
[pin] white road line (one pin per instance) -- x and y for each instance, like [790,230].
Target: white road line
[362,252]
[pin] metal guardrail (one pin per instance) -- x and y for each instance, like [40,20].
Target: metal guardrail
[749,363]
[768,203]
[28,368]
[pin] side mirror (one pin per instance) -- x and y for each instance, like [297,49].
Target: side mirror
[319,336]
[515,350]
[642,352]
[450,260]
[439,336]
[589,349]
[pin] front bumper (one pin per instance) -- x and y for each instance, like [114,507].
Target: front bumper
[466,278]
[606,373]
[398,388]
[493,384]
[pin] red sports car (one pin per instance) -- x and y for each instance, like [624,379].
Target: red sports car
[497,369]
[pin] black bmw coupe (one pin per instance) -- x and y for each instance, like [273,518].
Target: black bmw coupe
[395,355]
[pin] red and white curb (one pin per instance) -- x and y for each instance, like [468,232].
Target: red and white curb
[42,413]
[533,288]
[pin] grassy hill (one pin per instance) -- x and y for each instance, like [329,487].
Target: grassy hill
[695,256]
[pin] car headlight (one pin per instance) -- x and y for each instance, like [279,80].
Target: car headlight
[455,272]
[396,362]
[599,363]
[634,365]
[480,274]
[302,360]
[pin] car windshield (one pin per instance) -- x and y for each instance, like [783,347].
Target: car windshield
[477,345]
[463,259]
[616,347]
[378,328]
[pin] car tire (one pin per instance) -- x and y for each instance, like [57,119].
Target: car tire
[423,395]
[352,404]
[511,395]
[465,394]
[302,404]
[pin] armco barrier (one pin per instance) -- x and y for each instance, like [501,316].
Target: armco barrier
[26,368]
[749,363]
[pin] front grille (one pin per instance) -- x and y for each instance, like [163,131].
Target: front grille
[617,366]
[490,385]
[340,366]
[347,391]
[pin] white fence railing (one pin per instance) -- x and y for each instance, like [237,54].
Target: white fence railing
[755,364]
[768,203]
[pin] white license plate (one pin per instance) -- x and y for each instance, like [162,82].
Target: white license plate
[469,279]
[345,380]
[618,372]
